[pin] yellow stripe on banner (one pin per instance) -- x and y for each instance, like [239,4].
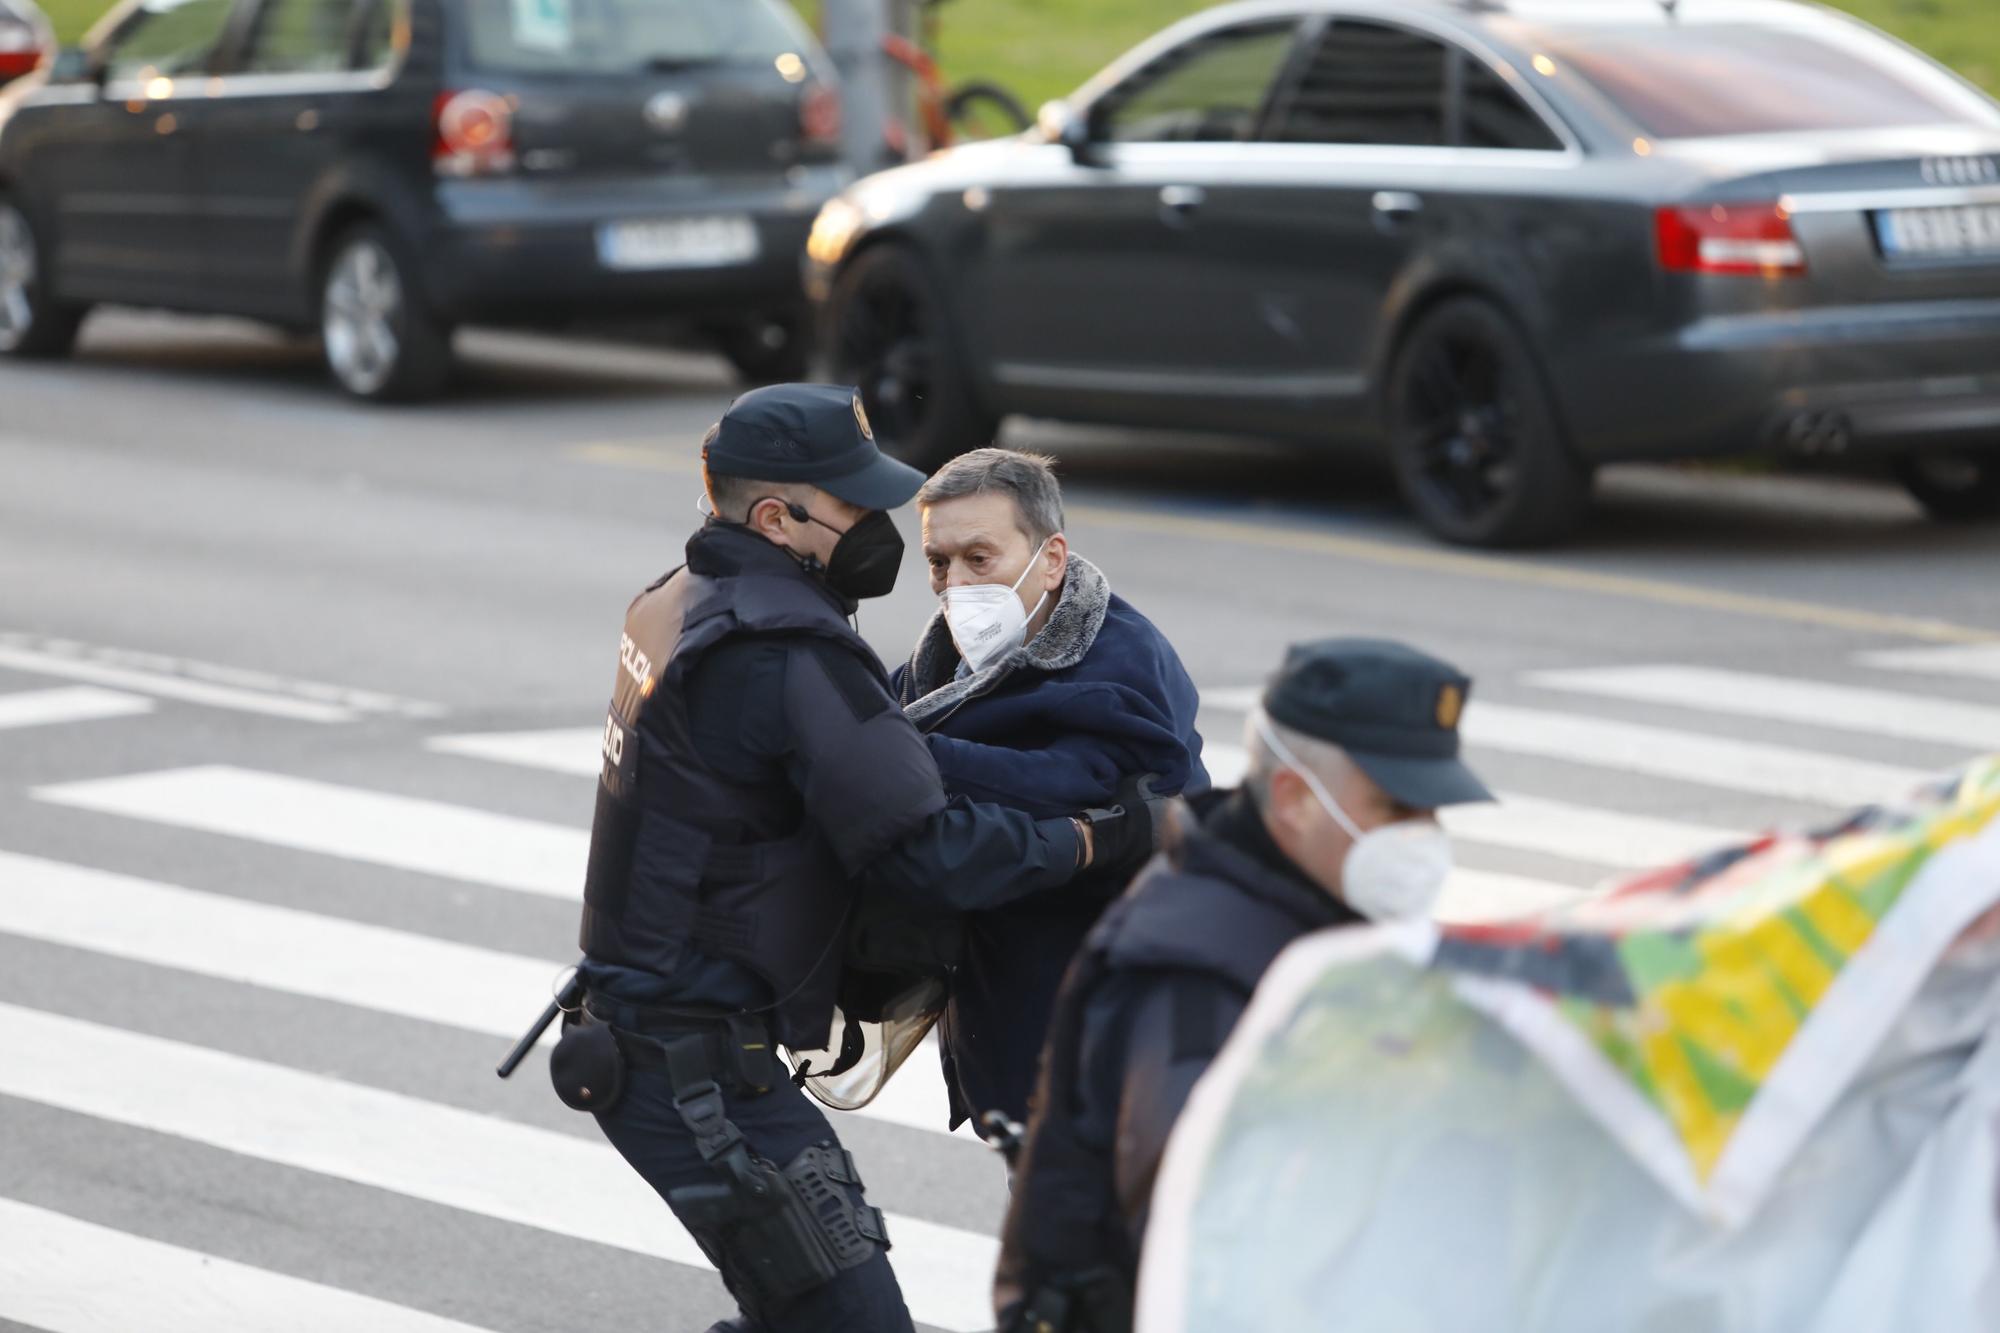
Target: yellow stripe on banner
[1789,954]
[1840,920]
[1702,1130]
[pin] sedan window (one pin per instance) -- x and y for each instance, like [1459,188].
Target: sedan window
[1368,83]
[1211,89]
[1494,116]
[167,38]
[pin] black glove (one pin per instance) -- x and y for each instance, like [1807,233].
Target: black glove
[1124,836]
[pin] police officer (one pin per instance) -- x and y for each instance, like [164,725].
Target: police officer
[757,777]
[1352,752]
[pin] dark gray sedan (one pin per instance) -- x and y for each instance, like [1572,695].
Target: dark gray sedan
[1511,241]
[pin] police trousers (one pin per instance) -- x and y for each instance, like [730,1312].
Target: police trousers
[779,1125]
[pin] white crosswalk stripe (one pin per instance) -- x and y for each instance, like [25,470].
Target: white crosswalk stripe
[1723,762]
[326,958]
[1533,824]
[495,1168]
[172,687]
[405,832]
[573,750]
[63,1275]
[1713,761]
[80,703]
[1979,661]
[1787,699]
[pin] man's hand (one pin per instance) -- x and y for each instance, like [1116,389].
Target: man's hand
[1121,838]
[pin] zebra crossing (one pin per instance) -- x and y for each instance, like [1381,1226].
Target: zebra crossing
[1602,769]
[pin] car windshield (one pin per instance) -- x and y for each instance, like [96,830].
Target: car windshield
[1698,80]
[626,36]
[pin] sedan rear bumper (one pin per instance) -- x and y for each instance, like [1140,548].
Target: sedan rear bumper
[1885,377]
[518,251]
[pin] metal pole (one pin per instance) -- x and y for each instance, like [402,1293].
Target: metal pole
[854,32]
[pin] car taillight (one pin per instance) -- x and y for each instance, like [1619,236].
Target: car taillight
[1729,238]
[819,116]
[475,134]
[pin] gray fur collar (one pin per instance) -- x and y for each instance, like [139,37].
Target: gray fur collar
[931,689]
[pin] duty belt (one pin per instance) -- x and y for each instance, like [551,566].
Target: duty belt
[734,1050]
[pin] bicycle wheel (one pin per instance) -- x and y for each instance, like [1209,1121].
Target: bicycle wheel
[984,111]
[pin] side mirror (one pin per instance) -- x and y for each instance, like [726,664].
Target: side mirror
[1061,123]
[73,64]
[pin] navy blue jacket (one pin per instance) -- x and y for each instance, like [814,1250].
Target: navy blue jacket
[1054,727]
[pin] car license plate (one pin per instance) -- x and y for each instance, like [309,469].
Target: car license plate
[699,242]
[1967,231]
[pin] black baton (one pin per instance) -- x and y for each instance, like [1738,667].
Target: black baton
[569,997]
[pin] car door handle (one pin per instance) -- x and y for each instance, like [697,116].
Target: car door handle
[1395,210]
[1178,203]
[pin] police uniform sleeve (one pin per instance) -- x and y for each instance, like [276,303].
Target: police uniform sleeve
[865,776]
[869,782]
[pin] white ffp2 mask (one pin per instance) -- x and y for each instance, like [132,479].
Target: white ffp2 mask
[986,619]
[1391,873]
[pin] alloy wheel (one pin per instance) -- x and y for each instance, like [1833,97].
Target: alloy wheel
[363,305]
[18,268]
[1468,424]
[885,342]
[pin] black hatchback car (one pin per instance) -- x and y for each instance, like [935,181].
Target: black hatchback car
[384,170]
[1509,239]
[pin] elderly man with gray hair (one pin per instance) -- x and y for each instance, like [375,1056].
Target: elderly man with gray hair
[1037,688]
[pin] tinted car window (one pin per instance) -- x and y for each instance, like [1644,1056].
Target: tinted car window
[1738,78]
[1368,83]
[1211,89]
[303,36]
[167,37]
[1494,116]
[626,36]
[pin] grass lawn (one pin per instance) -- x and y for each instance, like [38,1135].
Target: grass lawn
[1045,48]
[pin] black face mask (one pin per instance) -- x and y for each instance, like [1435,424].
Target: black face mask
[865,560]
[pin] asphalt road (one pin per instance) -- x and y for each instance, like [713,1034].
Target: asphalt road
[297,706]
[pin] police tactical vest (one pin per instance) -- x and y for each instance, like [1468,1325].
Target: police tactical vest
[1188,913]
[657,882]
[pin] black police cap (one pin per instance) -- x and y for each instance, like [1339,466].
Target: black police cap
[815,433]
[1392,709]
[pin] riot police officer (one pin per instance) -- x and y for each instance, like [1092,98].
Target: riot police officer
[757,778]
[1352,752]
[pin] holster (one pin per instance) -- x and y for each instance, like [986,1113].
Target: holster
[774,1233]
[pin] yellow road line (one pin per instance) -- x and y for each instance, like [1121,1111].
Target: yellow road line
[1466,565]
[649,457]
[1433,561]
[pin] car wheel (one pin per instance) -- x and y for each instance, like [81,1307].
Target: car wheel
[772,349]
[890,335]
[380,344]
[32,324]
[1956,486]
[1478,450]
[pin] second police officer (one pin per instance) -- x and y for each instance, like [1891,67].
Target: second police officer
[758,778]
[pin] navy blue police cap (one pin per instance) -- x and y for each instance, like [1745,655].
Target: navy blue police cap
[816,433]
[1393,710]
